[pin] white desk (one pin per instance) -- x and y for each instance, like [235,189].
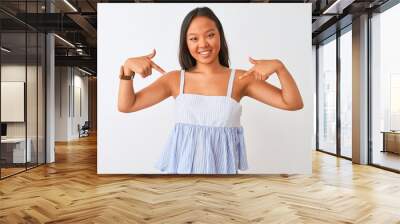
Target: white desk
[18,148]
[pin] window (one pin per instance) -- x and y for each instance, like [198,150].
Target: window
[346,94]
[385,88]
[327,96]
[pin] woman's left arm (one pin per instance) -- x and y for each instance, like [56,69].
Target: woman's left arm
[287,98]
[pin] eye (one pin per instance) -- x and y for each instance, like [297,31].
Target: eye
[192,38]
[211,35]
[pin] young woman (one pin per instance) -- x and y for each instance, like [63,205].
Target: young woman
[207,137]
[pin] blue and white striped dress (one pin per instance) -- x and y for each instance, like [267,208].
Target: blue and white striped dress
[207,137]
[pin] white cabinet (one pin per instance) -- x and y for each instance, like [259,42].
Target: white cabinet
[18,149]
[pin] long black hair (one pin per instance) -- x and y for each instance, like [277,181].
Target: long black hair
[185,58]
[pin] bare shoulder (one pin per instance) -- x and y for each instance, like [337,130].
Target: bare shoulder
[240,72]
[171,79]
[239,85]
[242,83]
[171,75]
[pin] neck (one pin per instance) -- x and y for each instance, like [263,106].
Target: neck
[212,68]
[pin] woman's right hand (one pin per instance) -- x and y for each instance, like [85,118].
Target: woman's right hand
[142,65]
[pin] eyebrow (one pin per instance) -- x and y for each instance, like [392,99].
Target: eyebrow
[212,29]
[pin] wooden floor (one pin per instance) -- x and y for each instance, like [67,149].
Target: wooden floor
[387,159]
[5,172]
[70,191]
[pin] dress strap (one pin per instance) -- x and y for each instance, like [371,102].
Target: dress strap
[182,81]
[230,85]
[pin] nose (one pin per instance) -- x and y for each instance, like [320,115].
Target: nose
[203,43]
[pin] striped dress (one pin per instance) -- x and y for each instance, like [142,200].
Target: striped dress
[207,137]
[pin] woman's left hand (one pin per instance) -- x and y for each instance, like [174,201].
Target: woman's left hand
[262,69]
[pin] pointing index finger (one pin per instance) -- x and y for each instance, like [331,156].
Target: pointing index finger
[152,54]
[252,60]
[246,74]
[158,68]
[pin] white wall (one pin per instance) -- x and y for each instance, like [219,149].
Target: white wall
[314,74]
[80,83]
[67,80]
[277,141]
[61,103]
[34,124]
[15,72]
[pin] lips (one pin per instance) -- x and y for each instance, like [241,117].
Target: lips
[205,53]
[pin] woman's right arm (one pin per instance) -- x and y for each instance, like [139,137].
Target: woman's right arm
[128,100]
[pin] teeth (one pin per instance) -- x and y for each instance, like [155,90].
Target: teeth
[204,52]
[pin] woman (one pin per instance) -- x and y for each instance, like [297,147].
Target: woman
[207,137]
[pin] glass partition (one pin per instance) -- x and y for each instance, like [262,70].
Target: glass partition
[31,100]
[41,91]
[327,96]
[22,77]
[13,103]
[385,89]
[346,94]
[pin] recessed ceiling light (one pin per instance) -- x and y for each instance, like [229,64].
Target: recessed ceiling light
[338,6]
[70,5]
[64,40]
[5,49]
[84,71]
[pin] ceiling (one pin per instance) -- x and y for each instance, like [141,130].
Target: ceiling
[76,23]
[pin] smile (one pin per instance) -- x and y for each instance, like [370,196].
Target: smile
[205,53]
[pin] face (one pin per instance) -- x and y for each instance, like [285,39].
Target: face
[203,40]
